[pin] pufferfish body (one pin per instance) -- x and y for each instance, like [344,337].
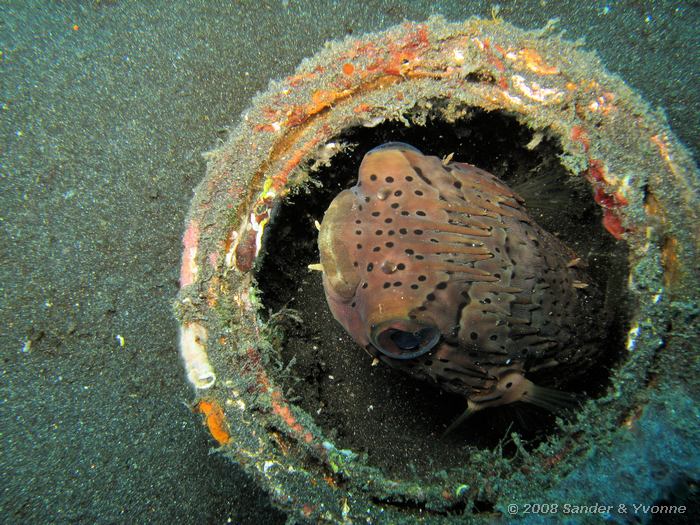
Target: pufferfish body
[437,269]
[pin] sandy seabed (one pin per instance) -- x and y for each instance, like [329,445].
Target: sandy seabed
[106,107]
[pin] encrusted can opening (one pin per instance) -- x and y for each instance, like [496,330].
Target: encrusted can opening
[398,421]
[537,112]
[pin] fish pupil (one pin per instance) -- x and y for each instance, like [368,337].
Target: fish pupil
[405,340]
[410,341]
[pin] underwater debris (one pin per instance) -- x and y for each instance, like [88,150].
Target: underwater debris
[641,179]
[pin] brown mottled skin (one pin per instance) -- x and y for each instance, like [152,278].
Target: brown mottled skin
[439,270]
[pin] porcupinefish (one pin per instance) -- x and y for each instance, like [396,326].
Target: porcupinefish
[436,268]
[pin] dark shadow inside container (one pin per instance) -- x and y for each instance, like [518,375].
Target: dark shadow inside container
[395,419]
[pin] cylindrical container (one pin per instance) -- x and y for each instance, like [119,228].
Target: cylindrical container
[627,444]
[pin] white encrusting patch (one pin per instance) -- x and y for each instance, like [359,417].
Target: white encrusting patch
[193,339]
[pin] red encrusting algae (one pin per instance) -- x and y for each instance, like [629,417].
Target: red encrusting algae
[188,267]
[595,174]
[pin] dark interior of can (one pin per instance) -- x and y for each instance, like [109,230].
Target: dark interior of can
[395,419]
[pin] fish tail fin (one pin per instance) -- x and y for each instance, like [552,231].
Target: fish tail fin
[550,399]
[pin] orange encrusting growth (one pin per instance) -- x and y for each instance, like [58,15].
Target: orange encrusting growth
[321,100]
[361,108]
[535,63]
[670,261]
[215,420]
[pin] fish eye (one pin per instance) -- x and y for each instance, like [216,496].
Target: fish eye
[405,340]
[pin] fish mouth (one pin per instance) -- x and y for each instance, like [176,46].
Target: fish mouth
[404,339]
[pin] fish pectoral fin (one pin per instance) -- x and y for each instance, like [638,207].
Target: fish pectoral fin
[470,410]
[549,398]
